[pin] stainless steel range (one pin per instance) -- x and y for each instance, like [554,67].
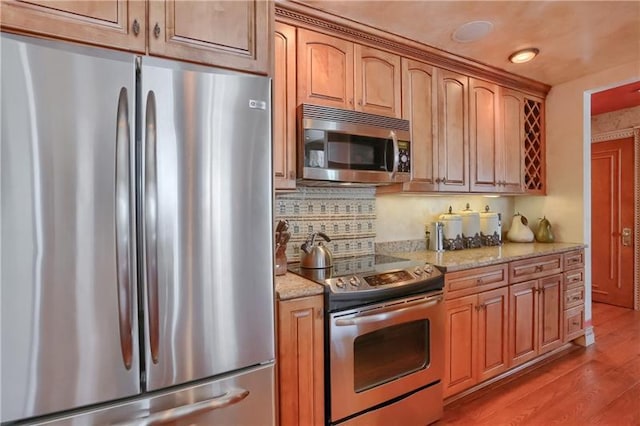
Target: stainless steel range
[384,340]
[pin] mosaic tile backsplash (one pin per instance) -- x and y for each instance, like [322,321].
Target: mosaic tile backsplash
[346,215]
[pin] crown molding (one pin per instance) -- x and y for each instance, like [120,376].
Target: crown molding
[612,135]
[300,15]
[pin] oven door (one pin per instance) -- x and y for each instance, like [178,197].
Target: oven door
[381,352]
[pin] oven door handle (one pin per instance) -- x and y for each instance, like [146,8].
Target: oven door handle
[388,315]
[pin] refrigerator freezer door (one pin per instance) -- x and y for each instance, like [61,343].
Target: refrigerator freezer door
[207,203]
[69,329]
[240,399]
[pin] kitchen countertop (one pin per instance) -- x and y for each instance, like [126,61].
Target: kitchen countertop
[458,260]
[292,286]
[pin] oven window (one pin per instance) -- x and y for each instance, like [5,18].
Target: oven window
[352,152]
[390,353]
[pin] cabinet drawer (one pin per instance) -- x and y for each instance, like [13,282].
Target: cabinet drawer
[574,259]
[470,281]
[574,297]
[537,267]
[574,278]
[573,323]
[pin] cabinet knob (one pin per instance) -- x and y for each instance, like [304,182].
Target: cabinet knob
[135,27]
[438,180]
[360,102]
[444,180]
[156,30]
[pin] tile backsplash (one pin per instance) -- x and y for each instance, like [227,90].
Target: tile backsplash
[346,215]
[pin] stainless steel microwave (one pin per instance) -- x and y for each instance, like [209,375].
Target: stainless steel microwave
[350,146]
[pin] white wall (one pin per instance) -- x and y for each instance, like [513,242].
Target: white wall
[403,217]
[568,138]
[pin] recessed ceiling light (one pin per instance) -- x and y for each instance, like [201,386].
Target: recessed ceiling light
[472,31]
[524,55]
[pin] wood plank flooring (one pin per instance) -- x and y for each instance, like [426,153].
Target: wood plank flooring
[598,385]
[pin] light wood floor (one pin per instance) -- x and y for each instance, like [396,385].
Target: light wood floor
[597,385]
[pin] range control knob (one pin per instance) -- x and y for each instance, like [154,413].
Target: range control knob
[354,281]
[340,283]
[428,268]
[417,271]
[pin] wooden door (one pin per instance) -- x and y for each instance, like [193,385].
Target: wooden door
[493,327]
[284,106]
[511,141]
[460,344]
[453,132]
[523,322]
[550,315]
[301,361]
[483,136]
[229,34]
[117,24]
[325,70]
[377,81]
[612,217]
[420,107]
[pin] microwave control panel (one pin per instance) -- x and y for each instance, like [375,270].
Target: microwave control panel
[404,161]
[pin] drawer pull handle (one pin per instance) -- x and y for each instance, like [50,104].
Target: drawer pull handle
[479,281]
[575,298]
[575,322]
[539,268]
[573,260]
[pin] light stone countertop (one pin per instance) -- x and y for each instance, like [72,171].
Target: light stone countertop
[292,286]
[458,260]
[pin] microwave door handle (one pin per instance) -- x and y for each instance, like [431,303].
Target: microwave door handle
[389,315]
[396,154]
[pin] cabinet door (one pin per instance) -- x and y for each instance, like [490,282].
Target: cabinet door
[301,361]
[460,344]
[511,141]
[325,70]
[551,325]
[377,81]
[420,107]
[284,107]
[523,322]
[453,132]
[119,24]
[493,315]
[483,136]
[228,34]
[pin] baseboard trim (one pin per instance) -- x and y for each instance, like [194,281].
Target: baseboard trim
[588,339]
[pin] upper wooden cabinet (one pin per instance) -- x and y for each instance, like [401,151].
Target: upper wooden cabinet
[229,34]
[453,132]
[284,107]
[325,70]
[377,81]
[341,74]
[110,23]
[420,107]
[232,34]
[496,138]
[484,141]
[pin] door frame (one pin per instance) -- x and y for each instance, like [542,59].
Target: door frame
[620,134]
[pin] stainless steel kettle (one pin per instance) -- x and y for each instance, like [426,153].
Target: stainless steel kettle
[316,256]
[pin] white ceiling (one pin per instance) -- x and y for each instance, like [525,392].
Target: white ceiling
[575,38]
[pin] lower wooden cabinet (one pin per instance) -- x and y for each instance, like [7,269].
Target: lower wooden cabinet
[301,361]
[535,318]
[476,339]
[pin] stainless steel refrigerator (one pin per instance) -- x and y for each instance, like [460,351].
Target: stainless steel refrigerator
[137,264]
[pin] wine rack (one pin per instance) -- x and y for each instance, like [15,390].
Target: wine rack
[534,161]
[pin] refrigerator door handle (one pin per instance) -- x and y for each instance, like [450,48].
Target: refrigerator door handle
[150,218]
[229,398]
[123,217]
